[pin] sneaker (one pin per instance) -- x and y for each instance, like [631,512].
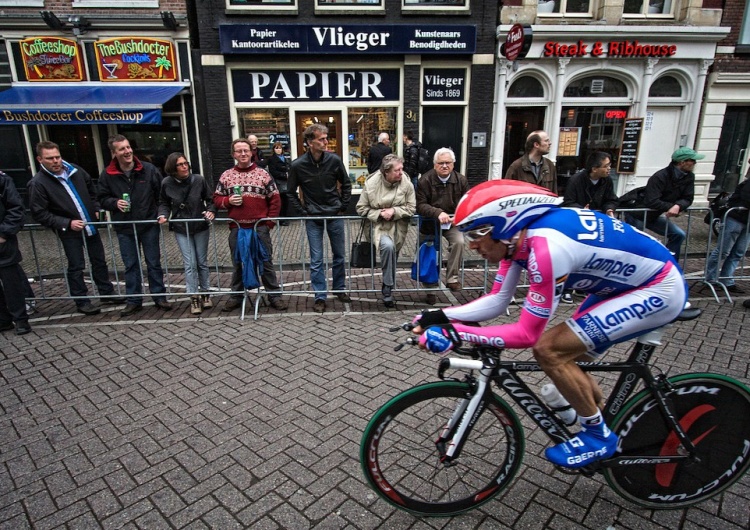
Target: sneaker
[430,299]
[734,289]
[88,309]
[278,304]
[344,298]
[162,304]
[130,309]
[196,308]
[567,298]
[231,305]
[22,328]
[388,300]
[319,306]
[206,301]
[6,326]
[454,286]
[587,447]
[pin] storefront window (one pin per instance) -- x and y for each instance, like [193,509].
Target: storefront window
[563,7]
[365,124]
[587,129]
[665,87]
[153,143]
[269,125]
[647,7]
[526,87]
[596,86]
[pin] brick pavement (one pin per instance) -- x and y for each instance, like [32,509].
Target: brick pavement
[175,422]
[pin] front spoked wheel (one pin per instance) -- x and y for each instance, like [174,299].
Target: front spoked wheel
[714,411]
[402,462]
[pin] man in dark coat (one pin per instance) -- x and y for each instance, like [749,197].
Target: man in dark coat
[12,281]
[591,187]
[378,152]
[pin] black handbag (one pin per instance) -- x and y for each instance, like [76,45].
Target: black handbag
[363,252]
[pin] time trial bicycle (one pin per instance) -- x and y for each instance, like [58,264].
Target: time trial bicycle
[449,446]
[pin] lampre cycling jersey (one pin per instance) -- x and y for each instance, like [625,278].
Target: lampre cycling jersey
[633,283]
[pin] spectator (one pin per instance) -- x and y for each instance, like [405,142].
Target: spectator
[533,166]
[377,152]
[278,167]
[12,288]
[411,157]
[141,181]
[256,156]
[389,202]
[669,192]
[438,194]
[258,199]
[591,188]
[733,240]
[326,187]
[62,197]
[186,195]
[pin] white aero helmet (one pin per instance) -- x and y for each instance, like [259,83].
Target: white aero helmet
[503,207]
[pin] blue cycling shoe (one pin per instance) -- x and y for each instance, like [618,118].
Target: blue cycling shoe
[586,447]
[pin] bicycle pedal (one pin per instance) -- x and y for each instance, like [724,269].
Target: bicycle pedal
[567,470]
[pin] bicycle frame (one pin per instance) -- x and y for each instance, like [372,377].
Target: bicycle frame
[505,375]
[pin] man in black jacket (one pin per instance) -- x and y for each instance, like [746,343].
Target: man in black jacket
[411,157]
[62,197]
[12,279]
[141,181]
[669,192]
[326,188]
[378,152]
[591,187]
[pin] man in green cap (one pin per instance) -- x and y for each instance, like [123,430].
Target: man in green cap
[669,192]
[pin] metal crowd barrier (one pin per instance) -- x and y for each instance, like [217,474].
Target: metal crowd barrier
[290,257]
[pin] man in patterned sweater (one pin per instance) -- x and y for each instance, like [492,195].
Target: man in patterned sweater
[259,198]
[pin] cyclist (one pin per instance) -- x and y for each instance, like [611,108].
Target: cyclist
[632,283]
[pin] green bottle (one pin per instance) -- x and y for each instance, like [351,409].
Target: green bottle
[126,198]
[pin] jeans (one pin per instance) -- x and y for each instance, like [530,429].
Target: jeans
[733,243]
[337,237]
[660,225]
[268,278]
[74,248]
[194,248]
[148,240]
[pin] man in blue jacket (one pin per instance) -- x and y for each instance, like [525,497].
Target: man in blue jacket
[62,197]
[125,174]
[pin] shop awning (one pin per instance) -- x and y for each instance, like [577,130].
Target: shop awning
[62,104]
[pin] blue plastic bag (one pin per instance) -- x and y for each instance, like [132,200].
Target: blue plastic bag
[426,258]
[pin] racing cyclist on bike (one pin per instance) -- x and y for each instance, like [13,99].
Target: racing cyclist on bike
[633,285]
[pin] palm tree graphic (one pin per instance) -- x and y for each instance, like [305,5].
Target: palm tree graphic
[162,63]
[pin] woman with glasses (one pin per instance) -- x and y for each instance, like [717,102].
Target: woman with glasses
[185,195]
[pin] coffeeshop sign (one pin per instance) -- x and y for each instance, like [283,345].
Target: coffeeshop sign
[624,49]
[51,59]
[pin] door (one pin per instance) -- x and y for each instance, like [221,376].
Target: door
[660,139]
[13,158]
[77,145]
[331,119]
[735,132]
[519,124]
[443,127]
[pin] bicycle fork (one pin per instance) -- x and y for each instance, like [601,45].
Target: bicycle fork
[452,435]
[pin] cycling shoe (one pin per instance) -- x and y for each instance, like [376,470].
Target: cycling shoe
[587,447]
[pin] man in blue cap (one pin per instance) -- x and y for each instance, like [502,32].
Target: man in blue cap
[669,192]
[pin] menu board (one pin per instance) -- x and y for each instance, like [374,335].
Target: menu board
[570,140]
[631,139]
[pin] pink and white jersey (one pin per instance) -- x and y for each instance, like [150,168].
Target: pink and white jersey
[633,282]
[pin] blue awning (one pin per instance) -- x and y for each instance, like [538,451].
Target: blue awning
[86,104]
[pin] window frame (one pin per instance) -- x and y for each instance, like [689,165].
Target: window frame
[563,11]
[743,36]
[130,4]
[647,15]
[22,3]
[266,7]
[418,8]
[350,7]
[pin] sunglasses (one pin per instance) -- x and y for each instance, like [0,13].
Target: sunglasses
[478,233]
